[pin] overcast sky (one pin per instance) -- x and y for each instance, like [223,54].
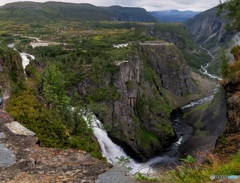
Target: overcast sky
[196,5]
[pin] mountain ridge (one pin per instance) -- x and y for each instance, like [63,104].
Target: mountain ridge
[70,11]
[173,15]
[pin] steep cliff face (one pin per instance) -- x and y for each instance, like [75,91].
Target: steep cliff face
[168,63]
[11,70]
[233,113]
[138,118]
[229,142]
[209,30]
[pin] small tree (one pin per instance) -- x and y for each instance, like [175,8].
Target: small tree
[53,88]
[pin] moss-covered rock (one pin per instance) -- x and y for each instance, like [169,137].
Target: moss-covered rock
[11,70]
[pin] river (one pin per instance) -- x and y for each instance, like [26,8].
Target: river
[172,154]
[115,154]
[204,67]
[170,157]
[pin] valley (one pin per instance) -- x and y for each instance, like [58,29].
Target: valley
[117,86]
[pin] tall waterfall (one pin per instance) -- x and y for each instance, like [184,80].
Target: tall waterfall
[110,151]
[114,153]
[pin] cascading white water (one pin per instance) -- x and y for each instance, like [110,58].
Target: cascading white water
[26,58]
[110,151]
[114,153]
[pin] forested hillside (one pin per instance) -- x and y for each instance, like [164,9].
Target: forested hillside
[83,67]
[53,11]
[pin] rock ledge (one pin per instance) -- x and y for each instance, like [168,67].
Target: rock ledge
[23,161]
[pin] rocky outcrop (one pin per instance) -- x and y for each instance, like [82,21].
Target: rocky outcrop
[208,121]
[168,63]
[22,160]
[233,105]
[134,118]
[229,142]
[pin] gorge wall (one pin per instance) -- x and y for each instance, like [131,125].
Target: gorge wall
[229,142]
[138,118]
[209,30]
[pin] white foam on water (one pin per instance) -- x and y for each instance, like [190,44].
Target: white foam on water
[114,153]
[26,58]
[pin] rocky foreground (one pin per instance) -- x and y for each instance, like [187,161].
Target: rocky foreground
[22,160]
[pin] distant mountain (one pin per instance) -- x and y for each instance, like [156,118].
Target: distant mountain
[52,11]
[173,15]
[209,30]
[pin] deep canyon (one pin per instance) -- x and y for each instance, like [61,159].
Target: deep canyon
[139,95]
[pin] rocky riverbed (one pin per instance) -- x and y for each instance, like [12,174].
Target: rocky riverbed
[22,160]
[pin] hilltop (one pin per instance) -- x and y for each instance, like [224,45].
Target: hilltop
[55,11]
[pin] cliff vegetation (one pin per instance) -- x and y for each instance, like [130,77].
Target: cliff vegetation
[117,70]
[225,160]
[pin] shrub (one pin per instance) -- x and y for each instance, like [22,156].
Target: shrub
[236,52]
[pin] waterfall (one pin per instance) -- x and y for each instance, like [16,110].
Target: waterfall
[26,58]
[114,153]
[110,151]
